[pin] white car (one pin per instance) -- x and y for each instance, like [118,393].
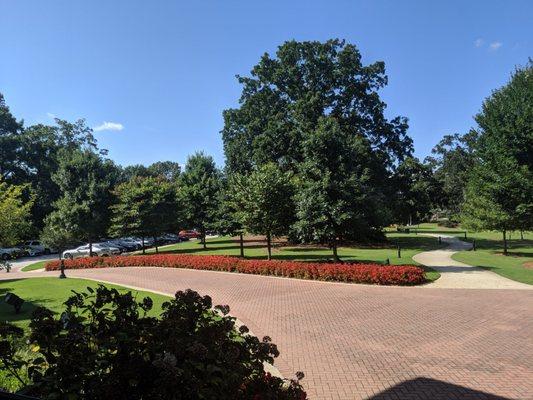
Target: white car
[35,248]
[99,249]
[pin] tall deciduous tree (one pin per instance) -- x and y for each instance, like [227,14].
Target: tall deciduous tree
[85,180]
[200,186]
[499,193]
[337,200]
[263,201]
[14,213]
[286,95]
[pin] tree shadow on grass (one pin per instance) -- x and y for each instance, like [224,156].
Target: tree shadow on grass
[7,312]
[432,389]
[209,248]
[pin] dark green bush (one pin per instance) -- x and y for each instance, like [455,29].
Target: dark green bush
[105,346]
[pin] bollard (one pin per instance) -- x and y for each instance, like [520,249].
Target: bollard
[474,245]
[399,252]
[440,240]
[465,234]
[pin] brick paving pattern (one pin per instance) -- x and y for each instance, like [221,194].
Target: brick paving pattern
[368,342]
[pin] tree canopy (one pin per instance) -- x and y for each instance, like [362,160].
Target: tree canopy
[85,180]
[146,207]
[15,213]
[285,96]
[499,193]
[263,200]
[200,186]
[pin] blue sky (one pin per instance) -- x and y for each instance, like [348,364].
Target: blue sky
[155,76]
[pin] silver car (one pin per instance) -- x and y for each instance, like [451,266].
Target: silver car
[35,248]
[99,249]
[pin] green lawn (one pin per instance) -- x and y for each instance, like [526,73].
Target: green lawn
[35,266]
[489,251]
[51,293]
[411,244]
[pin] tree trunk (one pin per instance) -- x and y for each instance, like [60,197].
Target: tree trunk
[156,247]
[521,234]
[90,248]
[504,242]
[335,254]
[241,243]
[144,249]
[269,246]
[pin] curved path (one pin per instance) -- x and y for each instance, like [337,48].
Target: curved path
[455,274]
[370,342]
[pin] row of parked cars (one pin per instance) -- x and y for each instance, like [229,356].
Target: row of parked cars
[102,248]
[111,247]
[29,248]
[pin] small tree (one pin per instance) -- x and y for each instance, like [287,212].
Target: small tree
[227,221]
[336,199]
[264,202]
[15,213]
[200,186]
[85,180]
[145,207]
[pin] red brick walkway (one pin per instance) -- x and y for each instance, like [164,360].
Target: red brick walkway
[360,342]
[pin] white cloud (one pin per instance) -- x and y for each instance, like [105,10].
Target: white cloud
[495,45]
[479,42]
[51,115]
[109,126]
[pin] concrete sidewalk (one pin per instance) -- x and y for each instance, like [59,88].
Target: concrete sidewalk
[457,275]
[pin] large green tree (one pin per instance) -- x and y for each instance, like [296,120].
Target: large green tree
[337,200]
[263,201]
[30,155]
[15,213]
[285,97]
[499,194]
[10,131]
[200,187]
[85,180]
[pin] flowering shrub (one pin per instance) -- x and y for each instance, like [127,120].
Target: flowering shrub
[355,273]
[104,345]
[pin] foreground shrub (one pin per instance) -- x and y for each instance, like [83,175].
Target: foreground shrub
[355,273]
[104,346]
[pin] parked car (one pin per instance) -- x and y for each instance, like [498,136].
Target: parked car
[132,243]
[36,247]
[99,249]
[191,234]
[112,243]
[7,253]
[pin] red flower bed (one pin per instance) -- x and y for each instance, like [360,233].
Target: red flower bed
[356,273]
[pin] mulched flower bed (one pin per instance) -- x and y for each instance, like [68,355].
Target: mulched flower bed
[355,273]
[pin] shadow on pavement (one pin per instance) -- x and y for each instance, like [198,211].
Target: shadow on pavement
[431,389]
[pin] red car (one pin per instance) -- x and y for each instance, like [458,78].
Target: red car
[189,234]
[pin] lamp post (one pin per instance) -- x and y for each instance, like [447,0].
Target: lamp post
[62,269]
